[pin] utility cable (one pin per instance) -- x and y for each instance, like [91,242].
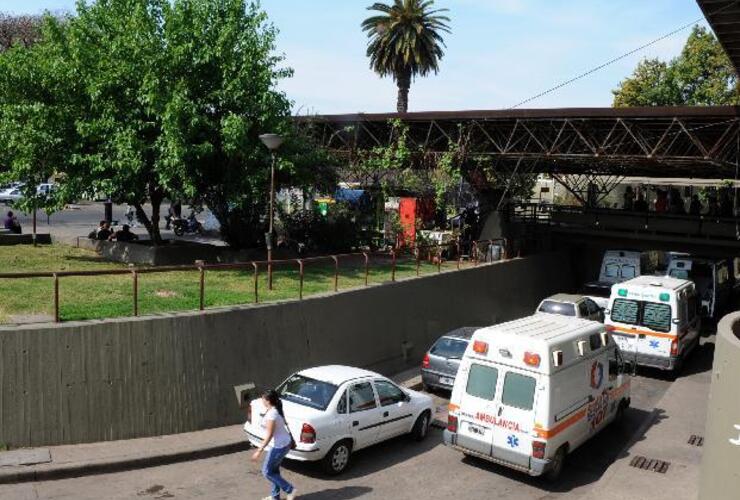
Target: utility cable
[619,58]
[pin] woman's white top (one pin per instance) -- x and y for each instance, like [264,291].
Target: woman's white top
[280,437]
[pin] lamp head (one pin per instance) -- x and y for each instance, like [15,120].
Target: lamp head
[272,141]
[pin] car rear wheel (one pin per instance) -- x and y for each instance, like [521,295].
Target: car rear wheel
[337,460]
[421,427]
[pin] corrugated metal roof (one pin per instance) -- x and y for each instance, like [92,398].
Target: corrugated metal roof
[724,17]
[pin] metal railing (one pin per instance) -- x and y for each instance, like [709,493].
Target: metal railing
[417,252]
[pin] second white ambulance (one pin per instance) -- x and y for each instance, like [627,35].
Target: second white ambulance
[530,391]
[654,320]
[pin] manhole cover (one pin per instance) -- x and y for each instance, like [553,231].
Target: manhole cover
[695,440]
[650,464]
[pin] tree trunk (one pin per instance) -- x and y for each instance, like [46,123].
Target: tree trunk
[404,84]
[151,224]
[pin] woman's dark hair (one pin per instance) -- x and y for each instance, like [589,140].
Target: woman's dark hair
[274,399]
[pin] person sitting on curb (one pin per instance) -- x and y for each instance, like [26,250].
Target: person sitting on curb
[11,223]
[124,235]
[104,231]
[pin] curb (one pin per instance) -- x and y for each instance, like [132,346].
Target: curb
[124,464]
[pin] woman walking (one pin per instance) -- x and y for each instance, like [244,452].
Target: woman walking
[278,443]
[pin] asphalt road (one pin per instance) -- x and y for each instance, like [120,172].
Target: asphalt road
[398,469]
[80,219]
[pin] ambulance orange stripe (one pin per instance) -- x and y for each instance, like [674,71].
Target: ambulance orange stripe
[641,332]
[548,433]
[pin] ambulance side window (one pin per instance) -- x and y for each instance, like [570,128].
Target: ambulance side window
[518,391]
[482,382]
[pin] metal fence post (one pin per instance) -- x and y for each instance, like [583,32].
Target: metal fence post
[474,250]
[418,259]
[336,272]
[439,259]
[367,265]
[56,298]
[256,282]
[202,287]
[300,272]
[393,268]
[135,277]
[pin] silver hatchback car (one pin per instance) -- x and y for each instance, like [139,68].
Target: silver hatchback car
[440,364]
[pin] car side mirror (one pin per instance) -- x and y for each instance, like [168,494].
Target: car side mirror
[407,398]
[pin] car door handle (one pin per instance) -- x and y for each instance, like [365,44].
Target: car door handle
[355,423]
[385,414]
[500,410]
[641,336]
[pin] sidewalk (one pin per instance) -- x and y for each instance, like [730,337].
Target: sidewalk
[665,435]
[58,462]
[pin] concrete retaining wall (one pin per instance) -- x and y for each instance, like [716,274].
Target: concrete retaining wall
[120,379]
[720,470]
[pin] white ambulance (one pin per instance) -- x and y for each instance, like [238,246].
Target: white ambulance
[530,391]
[655,320]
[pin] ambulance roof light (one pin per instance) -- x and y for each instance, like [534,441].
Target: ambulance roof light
[532,359]
[480,347]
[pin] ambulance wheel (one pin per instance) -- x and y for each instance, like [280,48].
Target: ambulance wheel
[556,465]
[421,427]
[620,411]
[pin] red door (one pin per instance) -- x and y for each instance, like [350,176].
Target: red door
[407,213]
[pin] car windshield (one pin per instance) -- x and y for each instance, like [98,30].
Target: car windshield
[449,348]
[554,307]
[307,392]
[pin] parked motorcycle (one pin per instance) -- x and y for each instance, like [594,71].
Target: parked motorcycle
[191,225]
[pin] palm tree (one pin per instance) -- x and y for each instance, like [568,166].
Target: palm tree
[405,42]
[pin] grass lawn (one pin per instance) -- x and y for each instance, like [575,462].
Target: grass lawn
[111,296]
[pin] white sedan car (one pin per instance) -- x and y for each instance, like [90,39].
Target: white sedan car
[332,411]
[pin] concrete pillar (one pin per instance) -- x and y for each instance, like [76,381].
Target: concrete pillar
[720,468]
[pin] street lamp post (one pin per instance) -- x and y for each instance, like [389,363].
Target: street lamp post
[273,143]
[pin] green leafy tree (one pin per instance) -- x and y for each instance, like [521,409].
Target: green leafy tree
[36,126]
[405,41]
[167,99]
[701,75]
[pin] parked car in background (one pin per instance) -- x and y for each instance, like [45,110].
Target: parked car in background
[11,195]
[440,363]
[578,306]
[333,411]
[45,189]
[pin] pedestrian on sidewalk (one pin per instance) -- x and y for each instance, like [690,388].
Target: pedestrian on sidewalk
[278,443]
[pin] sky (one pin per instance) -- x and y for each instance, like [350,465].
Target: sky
[500,52]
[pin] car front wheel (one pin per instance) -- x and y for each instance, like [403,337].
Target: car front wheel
[337,460]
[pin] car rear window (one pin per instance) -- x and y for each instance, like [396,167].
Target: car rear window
[626,311]
[449,348]
[562,308]
[657,316]
[482,382]
[518,391]
[307,392]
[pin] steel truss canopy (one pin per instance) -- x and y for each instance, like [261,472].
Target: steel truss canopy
[653,142]
[724,17]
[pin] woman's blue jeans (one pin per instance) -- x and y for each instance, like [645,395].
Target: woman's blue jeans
[271,471]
